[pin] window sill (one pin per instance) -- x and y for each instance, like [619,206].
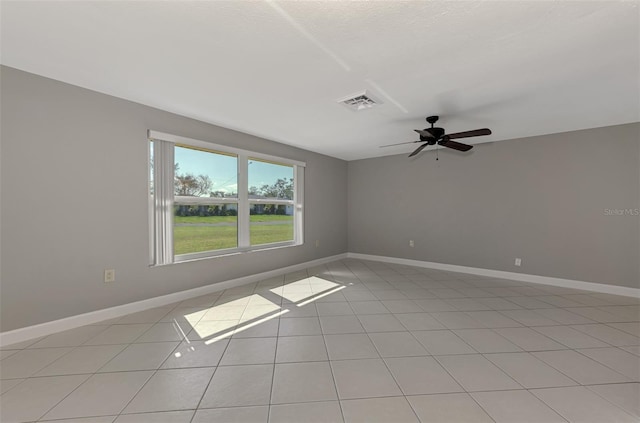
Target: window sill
[230,253]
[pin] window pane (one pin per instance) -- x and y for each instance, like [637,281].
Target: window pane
[200,173]
[198,228]
[270,180]
[270,223]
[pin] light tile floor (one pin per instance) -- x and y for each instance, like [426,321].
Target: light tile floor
[350,341]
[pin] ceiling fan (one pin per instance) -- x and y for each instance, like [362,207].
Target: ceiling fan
[435,135]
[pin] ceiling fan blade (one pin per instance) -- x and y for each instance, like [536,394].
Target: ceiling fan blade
[419,149]
[424,133]
[400,143]
[467,134]
[455,145]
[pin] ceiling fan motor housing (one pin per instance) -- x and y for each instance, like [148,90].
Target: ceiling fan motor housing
[437,133]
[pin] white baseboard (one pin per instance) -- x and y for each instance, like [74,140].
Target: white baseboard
[522,277]
[48,328]
[72,322]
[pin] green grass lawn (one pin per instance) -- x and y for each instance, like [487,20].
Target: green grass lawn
[268,234]
[232,219]
[194,239]
[205,219]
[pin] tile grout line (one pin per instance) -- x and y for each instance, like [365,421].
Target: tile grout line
[65,397]
[150,377]
[333,376]
[275,358]
[218,366]
[391,373]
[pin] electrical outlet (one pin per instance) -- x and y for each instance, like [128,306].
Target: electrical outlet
[317,243]
[518,262]
[109,275]
[411,244]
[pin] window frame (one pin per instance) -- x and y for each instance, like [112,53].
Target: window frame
[163,199]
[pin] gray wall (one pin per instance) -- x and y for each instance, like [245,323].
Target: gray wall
[542,199]
[74,186]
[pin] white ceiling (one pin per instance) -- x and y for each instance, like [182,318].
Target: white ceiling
[276,69]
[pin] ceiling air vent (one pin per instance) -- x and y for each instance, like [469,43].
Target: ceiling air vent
[360,101]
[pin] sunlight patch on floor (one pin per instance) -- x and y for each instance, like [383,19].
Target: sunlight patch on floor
[317,297]
[245,327]
[241,313]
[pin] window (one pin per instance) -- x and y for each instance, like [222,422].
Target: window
[271,206]
[205,206]
[208,200]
